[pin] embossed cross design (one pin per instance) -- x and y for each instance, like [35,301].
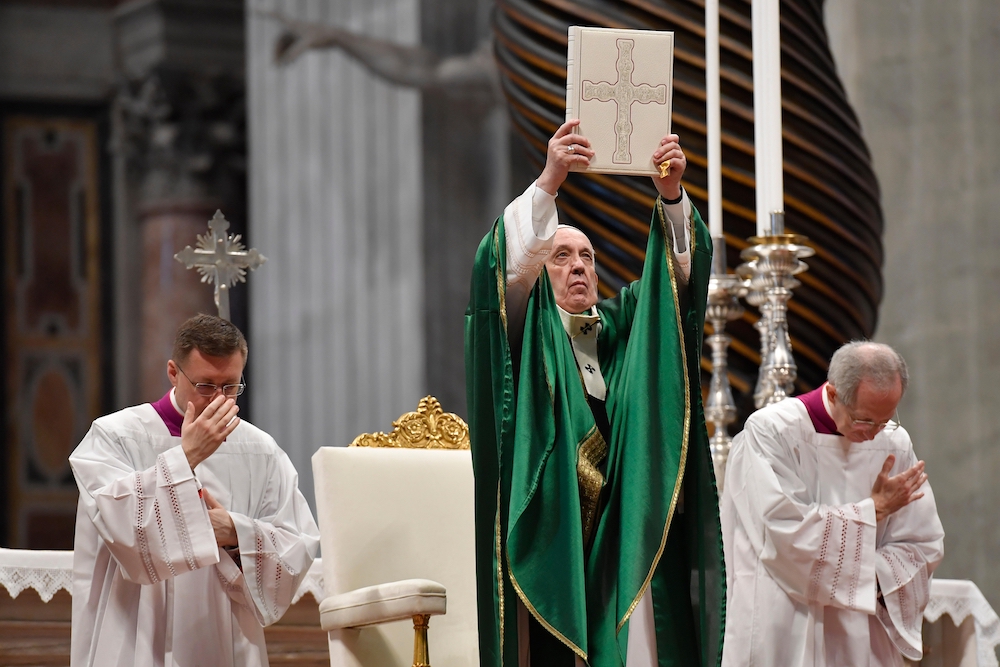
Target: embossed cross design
[623,93]
[586,328]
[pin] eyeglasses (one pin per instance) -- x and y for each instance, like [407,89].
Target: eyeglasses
[209,389]
[889,425]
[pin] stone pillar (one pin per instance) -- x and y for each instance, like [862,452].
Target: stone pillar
[178,128]
[180,143]
[171,293]
[337,335]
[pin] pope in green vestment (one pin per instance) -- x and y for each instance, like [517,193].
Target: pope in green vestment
[586,503]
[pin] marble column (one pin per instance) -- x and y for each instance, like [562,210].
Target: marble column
[178,147]
[171,293]
[180,140]
[337,335]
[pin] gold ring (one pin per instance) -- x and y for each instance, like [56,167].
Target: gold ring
[664,168]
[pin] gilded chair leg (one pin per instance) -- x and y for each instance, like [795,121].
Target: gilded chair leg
[421,656]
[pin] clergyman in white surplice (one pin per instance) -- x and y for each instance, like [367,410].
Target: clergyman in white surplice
[830,528]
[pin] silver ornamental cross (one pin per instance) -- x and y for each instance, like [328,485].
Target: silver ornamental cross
[221,259]
[623,92]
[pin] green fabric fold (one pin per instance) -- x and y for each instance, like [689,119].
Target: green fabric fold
[529,419]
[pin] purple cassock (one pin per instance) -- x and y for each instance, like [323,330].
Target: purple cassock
[813,401]
[173,419]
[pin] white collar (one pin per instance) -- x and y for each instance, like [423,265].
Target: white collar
[826,400]
[173,400]
[582,324]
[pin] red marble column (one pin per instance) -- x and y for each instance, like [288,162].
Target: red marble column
[171,293]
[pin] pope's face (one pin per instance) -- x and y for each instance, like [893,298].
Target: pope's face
[871,405]
[572,270]
[200,368]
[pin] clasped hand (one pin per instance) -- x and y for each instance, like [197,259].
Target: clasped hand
[891,494]
[222,523]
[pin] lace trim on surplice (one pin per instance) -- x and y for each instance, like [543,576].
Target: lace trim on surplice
[163,536]
[821,566]
[140,530]
[179,521]
[280,566]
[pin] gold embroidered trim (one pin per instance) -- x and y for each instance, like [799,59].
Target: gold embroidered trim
[687,416]
[499,569]
[589,455]
[501,277]
[538,617]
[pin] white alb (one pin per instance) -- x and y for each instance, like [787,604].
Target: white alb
[150,585]
[806,561]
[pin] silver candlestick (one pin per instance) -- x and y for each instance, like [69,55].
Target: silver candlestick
[724,292]
[756,296]
[772,261]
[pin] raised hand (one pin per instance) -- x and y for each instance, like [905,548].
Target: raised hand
[566,149]
[202,435]
[222,523]
[669,186]
[894,493]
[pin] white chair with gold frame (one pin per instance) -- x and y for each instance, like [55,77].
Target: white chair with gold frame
[397,528]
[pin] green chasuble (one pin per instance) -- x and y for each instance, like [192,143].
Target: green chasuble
[575,527]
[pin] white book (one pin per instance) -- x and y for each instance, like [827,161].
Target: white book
[619,83]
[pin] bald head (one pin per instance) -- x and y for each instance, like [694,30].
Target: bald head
[572,270]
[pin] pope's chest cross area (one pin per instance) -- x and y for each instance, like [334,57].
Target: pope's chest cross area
[221,259]
[623,93]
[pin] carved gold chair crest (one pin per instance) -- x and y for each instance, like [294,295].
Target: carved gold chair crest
[430,427]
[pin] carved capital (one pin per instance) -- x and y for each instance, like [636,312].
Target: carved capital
[182,134]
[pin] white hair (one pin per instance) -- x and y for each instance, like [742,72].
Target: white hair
[577,229]
[860,360]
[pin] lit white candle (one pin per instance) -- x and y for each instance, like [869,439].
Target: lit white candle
[714,129]
[767,110]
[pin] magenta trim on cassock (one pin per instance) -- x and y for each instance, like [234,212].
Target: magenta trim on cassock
[821,419]
[168,413]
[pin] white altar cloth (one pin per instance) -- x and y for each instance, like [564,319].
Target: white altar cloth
[44,571]
[974,644]
[977,634]
[49,571]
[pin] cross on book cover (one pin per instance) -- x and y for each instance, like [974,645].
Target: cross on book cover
[619,83]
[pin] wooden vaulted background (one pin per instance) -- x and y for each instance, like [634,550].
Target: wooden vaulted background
[831,193]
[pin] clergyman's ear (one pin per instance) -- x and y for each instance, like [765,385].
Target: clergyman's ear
[172,372]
